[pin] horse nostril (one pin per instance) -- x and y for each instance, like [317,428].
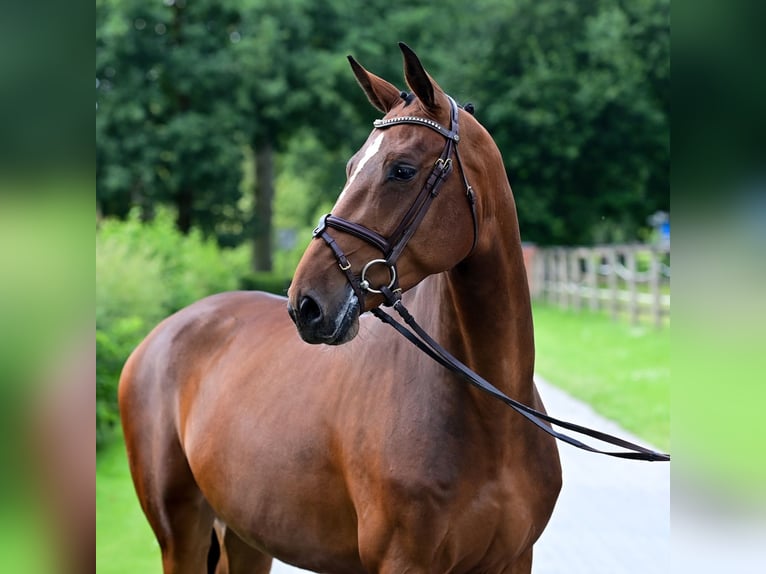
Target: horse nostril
[309,311]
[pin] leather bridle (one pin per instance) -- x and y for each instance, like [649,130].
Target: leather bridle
[392,246]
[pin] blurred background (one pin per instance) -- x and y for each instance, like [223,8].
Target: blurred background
[222,132]
[240,115]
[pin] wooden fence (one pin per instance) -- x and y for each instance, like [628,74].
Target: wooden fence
[628,281]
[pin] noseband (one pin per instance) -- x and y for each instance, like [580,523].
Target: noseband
[392,246]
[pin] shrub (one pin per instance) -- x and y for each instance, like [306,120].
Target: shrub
[189,267]
[269,282]
[145,272]
[129,278]
[113,346]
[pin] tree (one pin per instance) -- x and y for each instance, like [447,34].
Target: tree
[577,100]
[289,65]
[298,82]
[167,121]
[574,92]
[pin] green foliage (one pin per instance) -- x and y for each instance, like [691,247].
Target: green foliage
[167,115]
[576,94]
[577,99]
[265,281]
[151,266]
[144,272]
[113,346]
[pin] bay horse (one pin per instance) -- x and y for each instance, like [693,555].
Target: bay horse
[355,452]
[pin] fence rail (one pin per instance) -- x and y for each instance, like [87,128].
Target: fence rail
[628,281]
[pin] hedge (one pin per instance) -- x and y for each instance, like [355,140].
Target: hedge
[145,272]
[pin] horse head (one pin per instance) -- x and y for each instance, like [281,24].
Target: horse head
[405,212]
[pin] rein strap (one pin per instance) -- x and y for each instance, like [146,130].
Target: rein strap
[423,341]
[391,247]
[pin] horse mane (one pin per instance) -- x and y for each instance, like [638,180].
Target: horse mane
[407,97]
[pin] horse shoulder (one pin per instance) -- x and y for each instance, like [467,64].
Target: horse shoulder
[171,360]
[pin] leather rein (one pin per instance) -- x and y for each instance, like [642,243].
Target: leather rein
[392,247]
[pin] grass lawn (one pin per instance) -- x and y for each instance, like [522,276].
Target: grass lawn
[622,371]
[125,543]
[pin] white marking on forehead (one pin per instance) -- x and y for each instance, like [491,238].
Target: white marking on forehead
[371,150]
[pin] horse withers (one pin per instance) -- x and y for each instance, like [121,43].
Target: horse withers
[357,453]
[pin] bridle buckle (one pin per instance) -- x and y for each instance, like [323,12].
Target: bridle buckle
[321,226]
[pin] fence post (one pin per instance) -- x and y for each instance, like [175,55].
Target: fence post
[564,278]
[611,254]
[654,282]
[632,279]
[550,275]
[574,266]
[539,272]
[592,264]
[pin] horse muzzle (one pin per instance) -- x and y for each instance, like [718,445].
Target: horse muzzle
[322,321]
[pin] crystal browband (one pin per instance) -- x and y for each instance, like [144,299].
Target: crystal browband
[382,124]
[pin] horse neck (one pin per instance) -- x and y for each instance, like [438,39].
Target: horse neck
[485,316]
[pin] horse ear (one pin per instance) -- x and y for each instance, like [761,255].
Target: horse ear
[423,85]
[382,94]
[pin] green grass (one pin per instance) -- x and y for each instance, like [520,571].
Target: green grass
[125,543]
[28,533]
[622,371]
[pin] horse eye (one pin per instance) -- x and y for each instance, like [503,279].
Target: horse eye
[403,172]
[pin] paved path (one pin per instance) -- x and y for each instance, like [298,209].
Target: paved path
[612,516]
